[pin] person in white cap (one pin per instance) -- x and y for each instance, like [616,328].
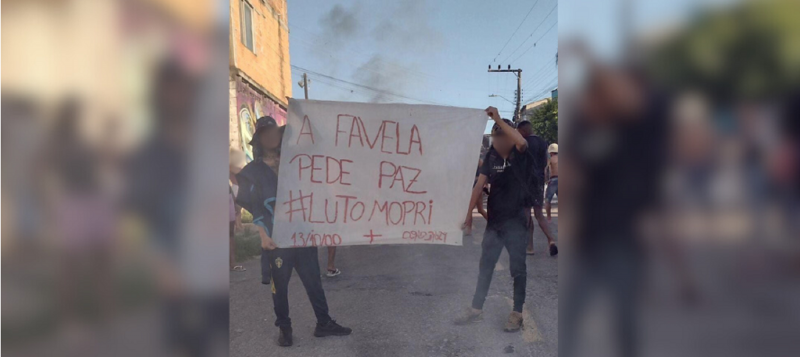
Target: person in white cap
[552,178]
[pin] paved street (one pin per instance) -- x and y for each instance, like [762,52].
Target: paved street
[400,301]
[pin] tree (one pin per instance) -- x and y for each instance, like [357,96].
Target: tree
[748,51]
[544,121]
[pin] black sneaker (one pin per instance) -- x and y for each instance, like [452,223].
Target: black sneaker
[285,339]
[331,329]
[553,250]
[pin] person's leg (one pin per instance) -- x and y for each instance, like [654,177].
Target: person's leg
[331,259]
[529,249]
[537,212]
[281,262]
[307,266]
[514,240]
[490,253]
[574,297]
[547,208]
[552,189]
[266,267]
[622,273]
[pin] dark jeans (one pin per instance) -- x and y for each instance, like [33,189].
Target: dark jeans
[615,268]
[304,260]
[513,235]
[266,273]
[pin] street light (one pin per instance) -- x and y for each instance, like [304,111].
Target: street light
[500,96]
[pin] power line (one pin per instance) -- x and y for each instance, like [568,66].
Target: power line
[363,86]
[543,75]
[547,88]
[548,79]
[534,31]
[530,80]
[427,82]
[515,31]
[534,43]
[410,71]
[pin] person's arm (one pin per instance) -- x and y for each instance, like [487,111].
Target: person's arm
[266,242]
[512,133]
[476,193]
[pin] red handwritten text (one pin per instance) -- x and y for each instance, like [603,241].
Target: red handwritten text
[398,173]
[388,135]
[335,170]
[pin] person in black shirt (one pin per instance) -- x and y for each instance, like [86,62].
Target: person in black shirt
[507,168]
[538,148]
[258,186]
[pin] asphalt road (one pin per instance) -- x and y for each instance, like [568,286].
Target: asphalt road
[400,300]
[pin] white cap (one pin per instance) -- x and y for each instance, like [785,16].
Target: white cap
[553,148]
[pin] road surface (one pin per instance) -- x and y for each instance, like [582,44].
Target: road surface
[400,300]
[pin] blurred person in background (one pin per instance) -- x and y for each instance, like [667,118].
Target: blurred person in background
[110,275]
[332,270]
[507,167]
[551,177]
[23,185]
[158,196]
[259,186]
[617,116]
[538,148]
[83,216]
[237,162]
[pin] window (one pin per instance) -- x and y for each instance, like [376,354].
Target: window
[247,25]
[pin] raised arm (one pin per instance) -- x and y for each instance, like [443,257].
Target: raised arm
[512,133]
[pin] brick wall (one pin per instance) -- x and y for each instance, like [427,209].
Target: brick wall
[233,119]
[268,66]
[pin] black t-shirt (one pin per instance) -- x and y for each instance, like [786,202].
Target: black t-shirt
[538,148]
[616,194]
[509,179]
[258,188]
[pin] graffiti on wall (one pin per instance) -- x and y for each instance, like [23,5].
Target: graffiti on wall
[251,104]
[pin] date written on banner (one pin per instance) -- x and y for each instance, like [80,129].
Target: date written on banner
[312,239]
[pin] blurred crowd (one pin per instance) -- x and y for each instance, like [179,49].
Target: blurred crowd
[678,223]
[681,204]
[111,114]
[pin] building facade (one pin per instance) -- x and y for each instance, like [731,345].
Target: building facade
[260,72]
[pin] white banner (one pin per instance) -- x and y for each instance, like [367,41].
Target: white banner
[358,173]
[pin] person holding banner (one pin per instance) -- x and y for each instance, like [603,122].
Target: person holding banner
[258,188]
[507,167]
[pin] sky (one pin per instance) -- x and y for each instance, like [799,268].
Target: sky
[424,51]
[600,23]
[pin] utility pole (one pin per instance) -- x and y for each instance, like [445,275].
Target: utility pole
[304,84]
[518,73]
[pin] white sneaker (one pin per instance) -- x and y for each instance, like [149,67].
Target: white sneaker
[333,273]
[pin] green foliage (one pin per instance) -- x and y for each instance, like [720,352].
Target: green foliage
[248,244]
[246,216]
[544,121]
[747,51]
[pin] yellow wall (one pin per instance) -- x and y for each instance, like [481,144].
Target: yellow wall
[269,66]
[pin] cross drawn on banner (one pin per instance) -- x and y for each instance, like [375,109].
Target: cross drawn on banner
[372,236]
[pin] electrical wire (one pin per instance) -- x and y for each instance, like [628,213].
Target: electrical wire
[531,35]
[515,31]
